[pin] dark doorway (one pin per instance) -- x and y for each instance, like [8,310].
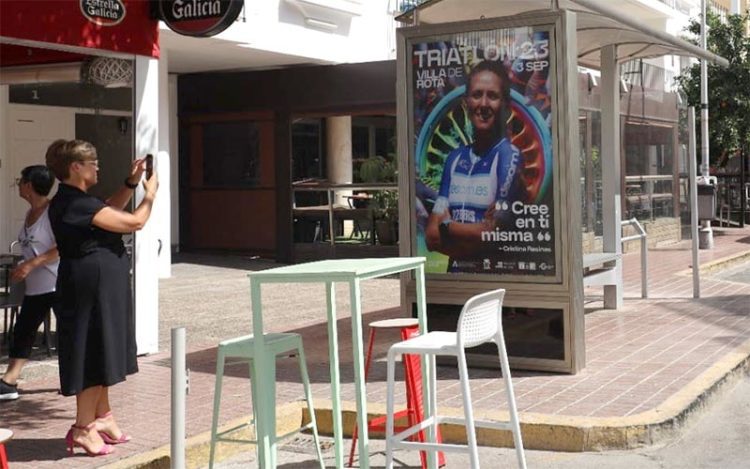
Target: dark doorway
[113,138]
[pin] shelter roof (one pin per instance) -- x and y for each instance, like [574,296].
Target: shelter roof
[598,25]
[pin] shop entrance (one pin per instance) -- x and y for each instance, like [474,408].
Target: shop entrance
[31,128]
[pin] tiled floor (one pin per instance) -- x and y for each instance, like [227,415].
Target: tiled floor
[637,358]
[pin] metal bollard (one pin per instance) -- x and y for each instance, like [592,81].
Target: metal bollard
[693,203]
[180,388]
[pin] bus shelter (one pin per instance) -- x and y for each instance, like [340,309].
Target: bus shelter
[490,185]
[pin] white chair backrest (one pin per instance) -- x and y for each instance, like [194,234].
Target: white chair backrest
[481,318]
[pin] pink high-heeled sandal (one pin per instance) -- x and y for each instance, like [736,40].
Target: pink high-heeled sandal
[109,439]
[71,443]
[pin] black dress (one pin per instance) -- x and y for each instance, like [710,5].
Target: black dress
[96,323]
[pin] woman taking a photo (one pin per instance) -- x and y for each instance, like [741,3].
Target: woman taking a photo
[96,338]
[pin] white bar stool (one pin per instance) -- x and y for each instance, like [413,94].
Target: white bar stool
[243,347]
[480,322]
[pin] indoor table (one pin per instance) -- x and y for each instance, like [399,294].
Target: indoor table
[328,272]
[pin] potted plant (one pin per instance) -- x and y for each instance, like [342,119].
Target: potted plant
[384,203]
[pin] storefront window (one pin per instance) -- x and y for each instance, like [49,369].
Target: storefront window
[231,154]
[649,171]
[307,153]
[360,142]
[100,115]
[372,136]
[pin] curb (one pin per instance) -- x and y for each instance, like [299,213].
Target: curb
[579,434]
[540,431]
[719,264]
[725,262]
[288,417]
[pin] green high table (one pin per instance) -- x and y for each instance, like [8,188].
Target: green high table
[328,272]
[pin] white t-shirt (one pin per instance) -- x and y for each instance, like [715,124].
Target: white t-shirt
[36,240]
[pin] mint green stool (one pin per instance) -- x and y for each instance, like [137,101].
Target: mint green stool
[242,347]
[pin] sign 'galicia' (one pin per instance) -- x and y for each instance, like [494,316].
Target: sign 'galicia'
[103,12]
[200,18]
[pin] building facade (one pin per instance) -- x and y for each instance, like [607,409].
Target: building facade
[68,70]
[265,132]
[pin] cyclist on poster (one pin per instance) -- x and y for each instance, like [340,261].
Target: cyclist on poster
[479,177]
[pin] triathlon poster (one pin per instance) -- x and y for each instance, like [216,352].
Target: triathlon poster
[482,113]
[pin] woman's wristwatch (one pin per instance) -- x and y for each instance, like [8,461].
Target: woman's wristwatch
[129,184]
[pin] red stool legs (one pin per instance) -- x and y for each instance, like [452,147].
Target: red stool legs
[413,411]
[5,436]
[3,457]
[370,343]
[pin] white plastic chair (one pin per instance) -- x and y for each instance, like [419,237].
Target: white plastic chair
[480,322]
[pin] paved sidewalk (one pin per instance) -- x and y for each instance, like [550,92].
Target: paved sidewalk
[649,365]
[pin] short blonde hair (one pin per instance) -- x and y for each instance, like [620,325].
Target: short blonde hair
[61,154]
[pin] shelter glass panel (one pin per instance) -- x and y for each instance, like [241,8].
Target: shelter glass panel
[589,128]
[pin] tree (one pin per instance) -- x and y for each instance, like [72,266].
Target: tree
[728,88]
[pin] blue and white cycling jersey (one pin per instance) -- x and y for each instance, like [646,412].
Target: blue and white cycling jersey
[470,183]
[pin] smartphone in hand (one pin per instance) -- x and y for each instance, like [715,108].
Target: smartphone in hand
[149,166]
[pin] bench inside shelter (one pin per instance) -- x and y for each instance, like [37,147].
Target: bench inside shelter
[599,268]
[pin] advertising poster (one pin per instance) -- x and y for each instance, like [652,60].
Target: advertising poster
[482,114]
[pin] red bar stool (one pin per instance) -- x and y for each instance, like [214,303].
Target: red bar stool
[5,436]
[409,327]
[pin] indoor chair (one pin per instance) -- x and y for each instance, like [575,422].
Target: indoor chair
[480,322]
[11,298]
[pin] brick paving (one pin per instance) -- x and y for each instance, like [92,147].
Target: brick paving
[637,357]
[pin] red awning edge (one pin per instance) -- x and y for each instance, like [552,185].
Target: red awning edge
[62,23]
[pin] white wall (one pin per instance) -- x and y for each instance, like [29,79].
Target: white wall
[146,99]
[662,17]
[174,186]
[163,206]
[284,32]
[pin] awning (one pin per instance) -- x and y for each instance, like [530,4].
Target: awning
[119,28]
[598,26]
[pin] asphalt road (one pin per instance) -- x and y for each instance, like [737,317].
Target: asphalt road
[739,273]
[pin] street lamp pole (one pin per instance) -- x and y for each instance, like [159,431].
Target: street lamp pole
[706,234]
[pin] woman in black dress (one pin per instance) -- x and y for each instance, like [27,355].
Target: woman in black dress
[96,325]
